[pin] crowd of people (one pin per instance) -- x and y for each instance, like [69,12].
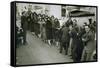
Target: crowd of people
[80,40]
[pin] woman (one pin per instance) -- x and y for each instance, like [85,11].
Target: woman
[49,30]
[35,24]
[56,30]
[77,45]
[43,30]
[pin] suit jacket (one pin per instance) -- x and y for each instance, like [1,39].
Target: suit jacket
[75,38]
[90,45]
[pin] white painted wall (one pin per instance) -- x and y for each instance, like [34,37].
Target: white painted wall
[55,10]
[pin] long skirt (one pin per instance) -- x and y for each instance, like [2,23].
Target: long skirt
[49,33]
[36,28]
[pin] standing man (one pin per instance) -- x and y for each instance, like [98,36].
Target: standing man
[75,45]
[88,38]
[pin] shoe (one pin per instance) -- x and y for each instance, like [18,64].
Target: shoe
[60,52]
[70,55]
[65,53]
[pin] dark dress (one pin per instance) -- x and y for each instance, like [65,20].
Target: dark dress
[55,30]
[29,20]
[36,26]
[32,23]
[49,29]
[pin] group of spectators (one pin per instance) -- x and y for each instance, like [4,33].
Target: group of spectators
[79,40]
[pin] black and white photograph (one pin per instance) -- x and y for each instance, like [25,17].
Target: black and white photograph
[55,33]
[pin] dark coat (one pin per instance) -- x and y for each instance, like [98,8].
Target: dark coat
[73,34]
[29,20]
[49,29]
[77,45]
[65,35]
[56,25]
[36,24]
[59,34]
[32,23]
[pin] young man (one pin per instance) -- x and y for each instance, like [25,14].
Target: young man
[88,38]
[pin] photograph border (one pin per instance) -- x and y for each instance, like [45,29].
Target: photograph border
[13,30]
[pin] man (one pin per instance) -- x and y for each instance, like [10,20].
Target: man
[76,45]
[89,39]
[24,26]
[65,38]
